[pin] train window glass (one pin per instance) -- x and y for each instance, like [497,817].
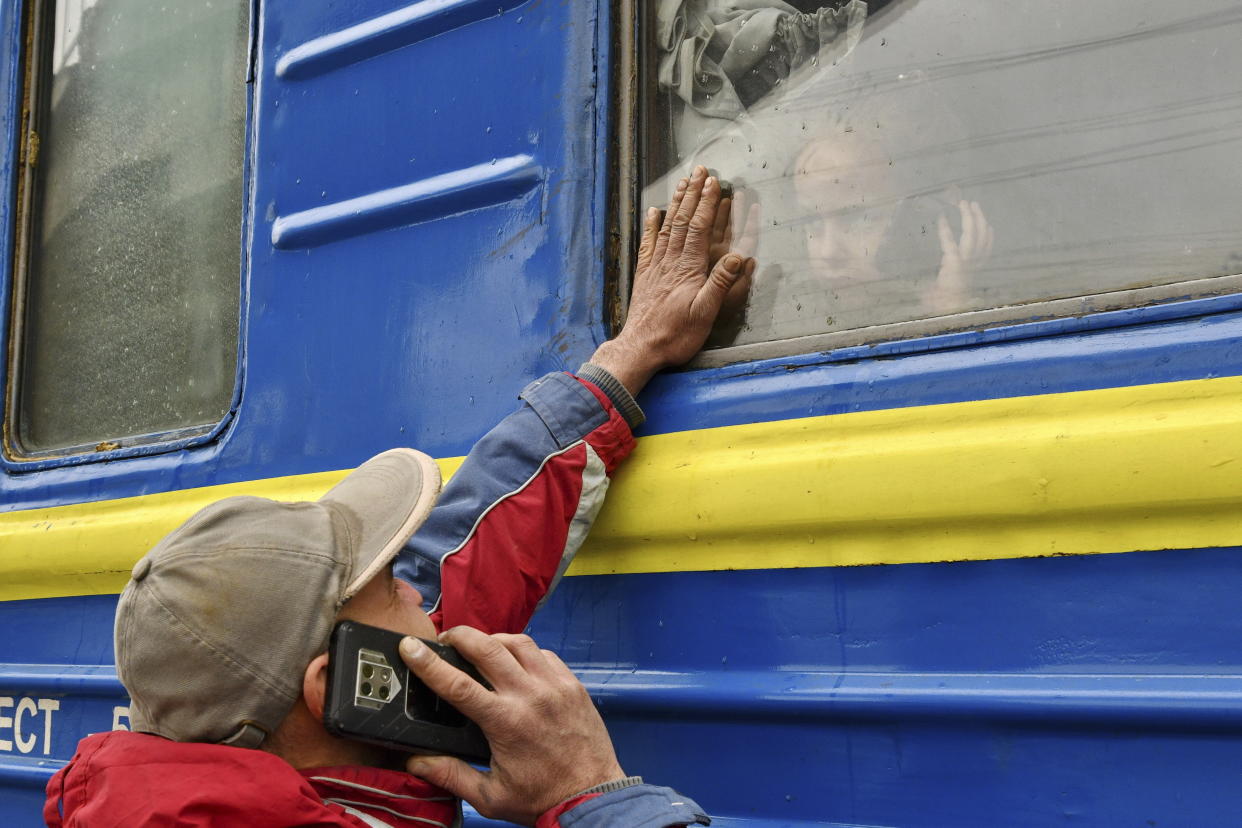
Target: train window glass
[920,160]
[127,279]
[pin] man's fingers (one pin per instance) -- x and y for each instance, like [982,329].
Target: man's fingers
[685,211]
[556,666]
[446,681]
[453,775]
[698,237]
[488,654]
[722,278]
[735,299]
[526,652]
[558,669]
[646,248]
[666,226]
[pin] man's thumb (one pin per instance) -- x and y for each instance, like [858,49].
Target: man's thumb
[726,272]
[453,775]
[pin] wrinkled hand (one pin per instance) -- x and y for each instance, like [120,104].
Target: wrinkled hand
[747,243]
[960,258]
[677,292]
[548,741]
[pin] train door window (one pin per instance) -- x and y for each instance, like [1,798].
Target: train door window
[918,166]
[126,280]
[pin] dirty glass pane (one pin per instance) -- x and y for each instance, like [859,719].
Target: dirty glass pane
[912,159]
[131,293]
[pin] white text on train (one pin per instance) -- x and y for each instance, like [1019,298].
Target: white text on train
[20,725]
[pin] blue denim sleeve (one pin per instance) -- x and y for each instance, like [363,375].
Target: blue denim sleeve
[640,806]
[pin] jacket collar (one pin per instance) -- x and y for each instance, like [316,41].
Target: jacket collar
[381,797]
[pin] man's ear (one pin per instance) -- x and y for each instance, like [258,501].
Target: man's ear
[315,684]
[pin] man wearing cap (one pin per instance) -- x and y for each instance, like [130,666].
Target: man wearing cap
[221,634]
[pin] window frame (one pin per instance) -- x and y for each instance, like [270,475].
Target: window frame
[1156,303]
[23,34]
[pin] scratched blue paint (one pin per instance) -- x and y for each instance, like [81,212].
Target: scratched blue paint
[10,80]
[1196,340]
[394,30]
[1098,690]
[1091,690]
[347,343]
[483,185]
[930,756]
[10,107]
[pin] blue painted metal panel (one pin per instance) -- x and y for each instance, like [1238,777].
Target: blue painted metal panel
[1016,693]
[381,333]
[1101,690]
[1203,339]
[427,199]
[435,204]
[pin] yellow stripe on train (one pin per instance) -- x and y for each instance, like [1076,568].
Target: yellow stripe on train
[1116,470]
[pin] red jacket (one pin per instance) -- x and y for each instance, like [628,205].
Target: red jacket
[125,780]
[501,535]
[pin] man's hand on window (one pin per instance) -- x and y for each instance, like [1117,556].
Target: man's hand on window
[678,291]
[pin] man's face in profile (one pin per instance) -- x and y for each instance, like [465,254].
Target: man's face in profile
[391,604]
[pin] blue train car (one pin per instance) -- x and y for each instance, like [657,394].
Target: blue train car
[943,529]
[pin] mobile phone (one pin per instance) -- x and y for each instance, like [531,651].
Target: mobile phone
[373,697]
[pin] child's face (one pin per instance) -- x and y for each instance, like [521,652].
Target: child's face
[842,189]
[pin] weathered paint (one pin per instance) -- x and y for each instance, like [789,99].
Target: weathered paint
[1099,689]
[1031,692]
[1115,470]
[89,548]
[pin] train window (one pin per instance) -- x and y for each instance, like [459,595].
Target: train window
[126,281]
[918,166]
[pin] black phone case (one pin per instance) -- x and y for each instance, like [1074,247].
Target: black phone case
[373,697]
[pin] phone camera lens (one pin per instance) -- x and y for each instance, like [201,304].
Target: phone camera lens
[383,691]
[367,671]
[366,688]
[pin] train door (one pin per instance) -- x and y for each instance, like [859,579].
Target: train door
[251,245]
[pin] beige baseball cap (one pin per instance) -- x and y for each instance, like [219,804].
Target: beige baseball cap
[219,620]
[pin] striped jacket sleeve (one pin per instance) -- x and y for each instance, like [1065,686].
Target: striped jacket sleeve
[638,806]
[511,518]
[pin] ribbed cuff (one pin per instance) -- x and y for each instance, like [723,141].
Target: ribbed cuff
[637,805]
[621,398]
[609,787]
